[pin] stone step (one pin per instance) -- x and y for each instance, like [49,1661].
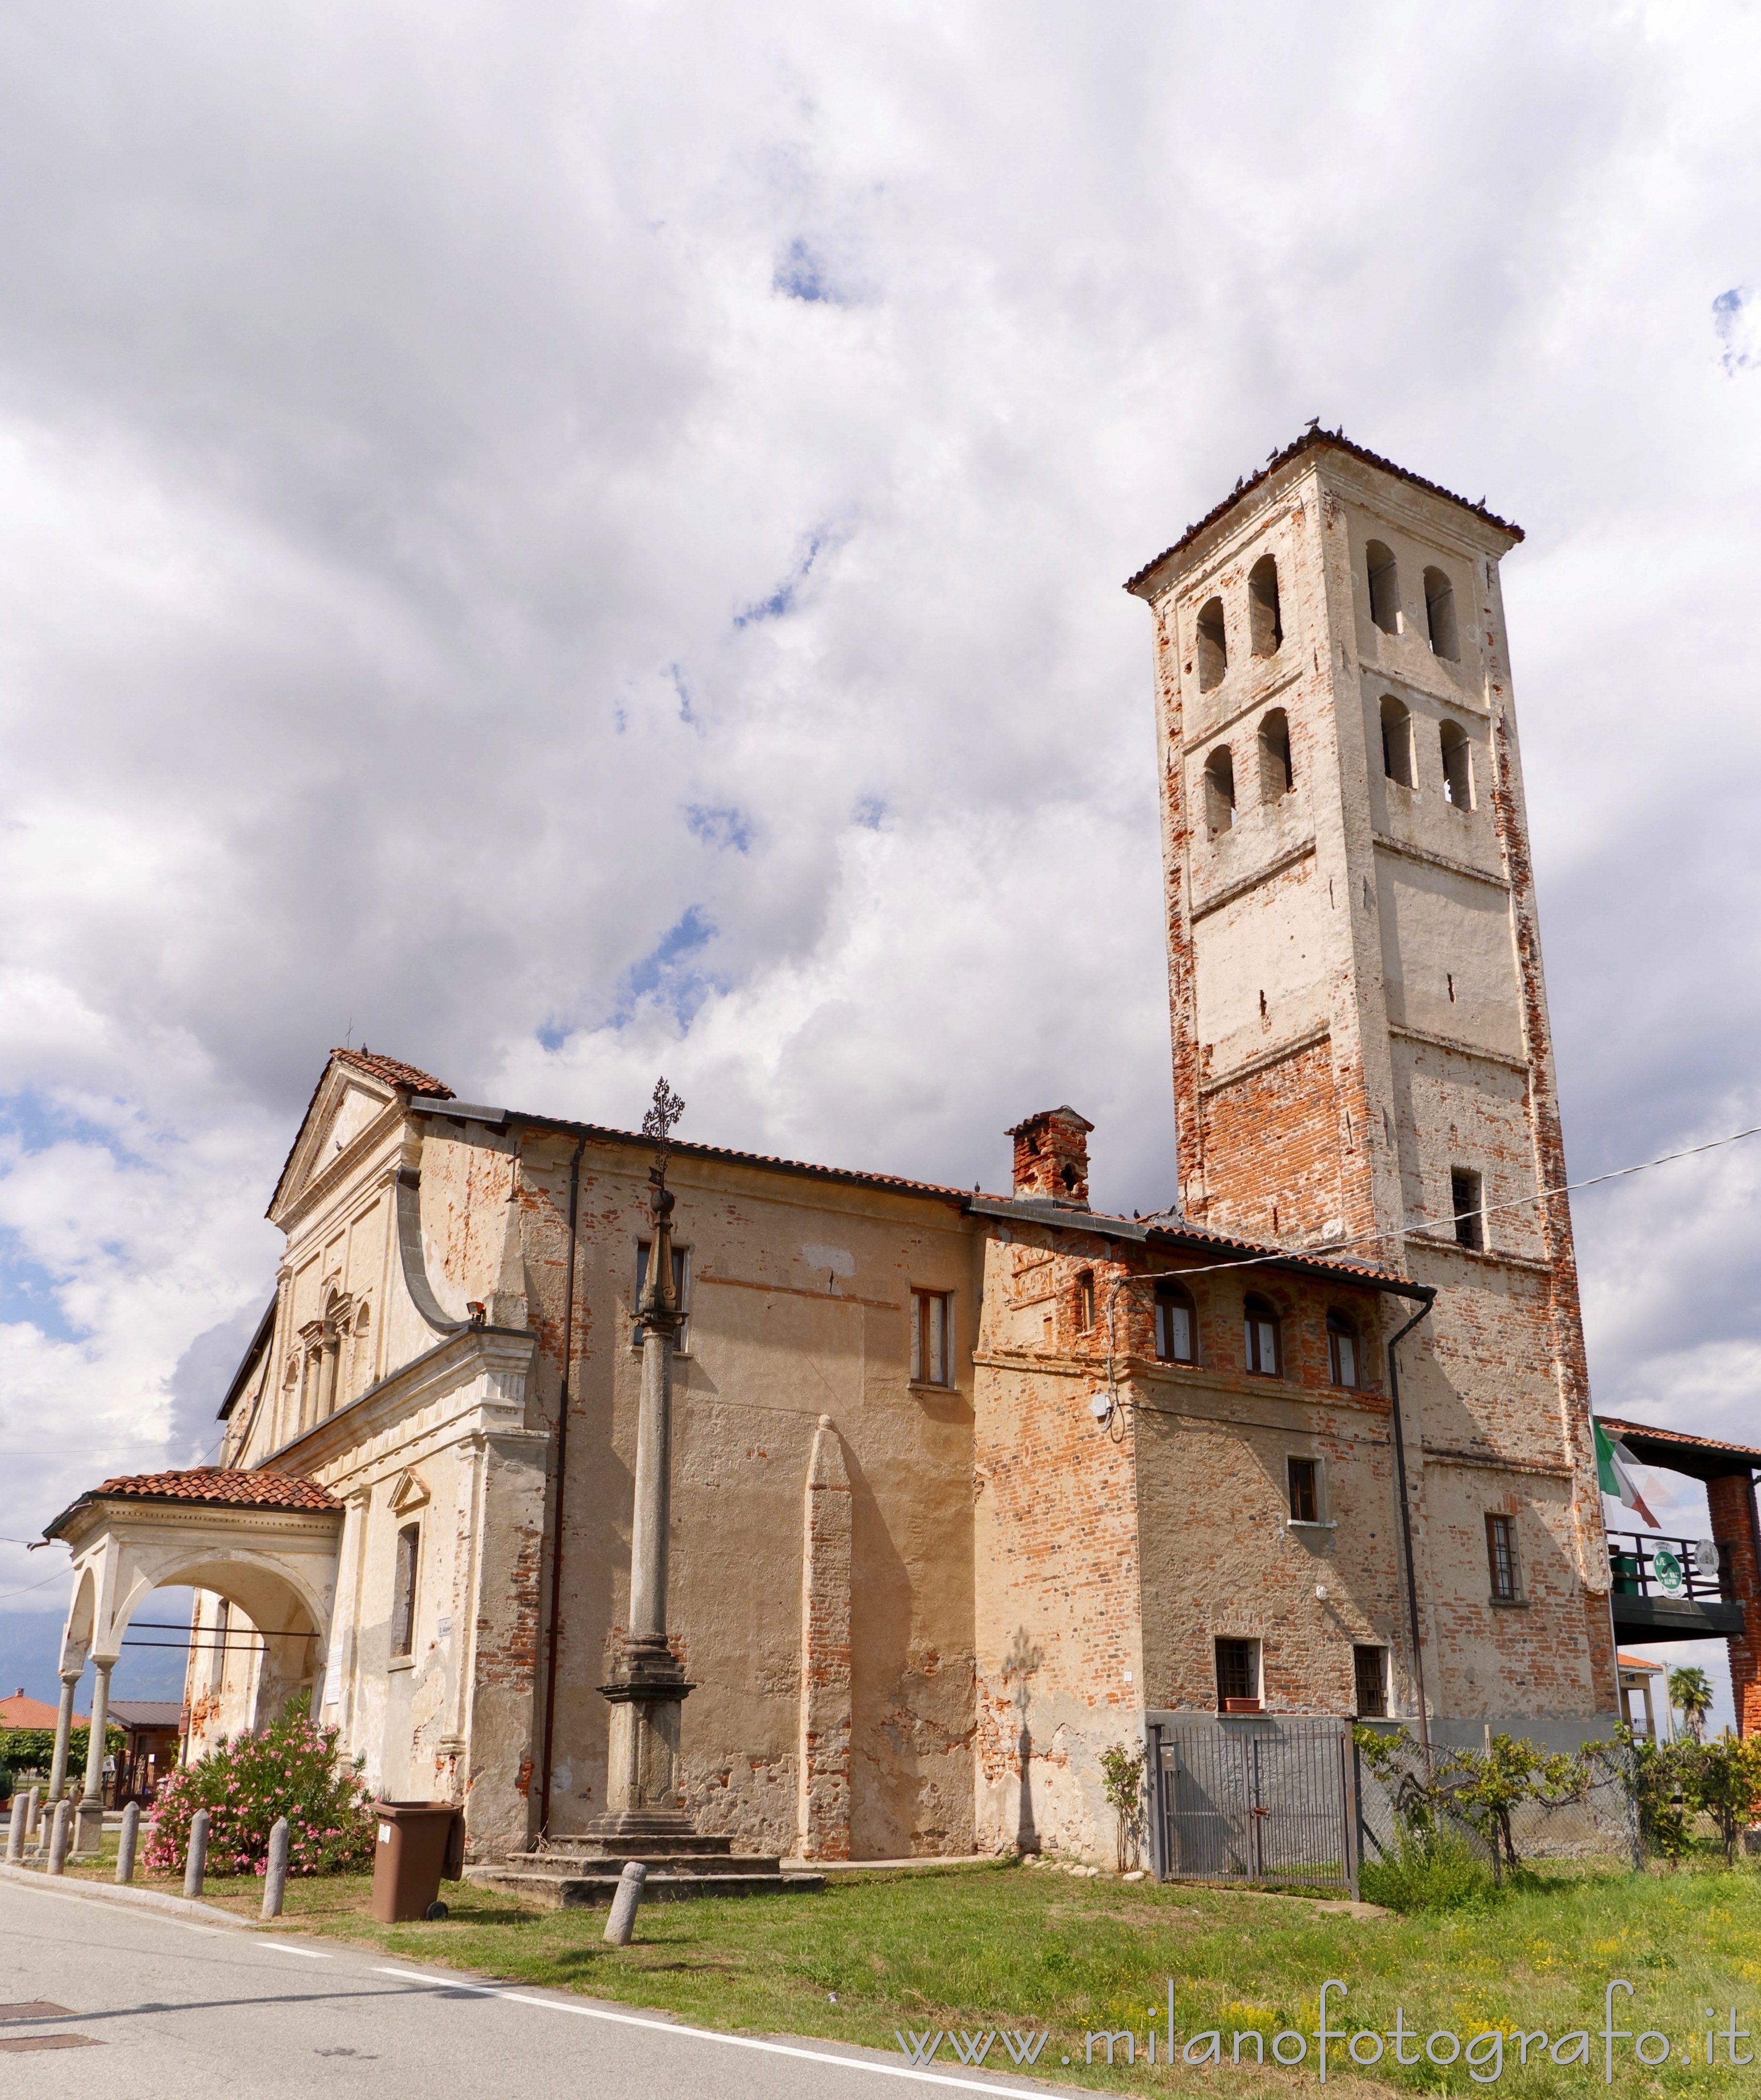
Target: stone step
[571,1891]
[634,1845]
[657,1859]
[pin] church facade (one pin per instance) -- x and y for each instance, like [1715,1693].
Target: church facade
[965,1486]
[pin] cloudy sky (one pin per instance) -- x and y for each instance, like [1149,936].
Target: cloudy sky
[565,542]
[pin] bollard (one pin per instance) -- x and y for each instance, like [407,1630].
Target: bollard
[32,1803]
[15,1843]
[198,1853]
[59,1837]
[125,1857]
[274,1882]
[622,1921]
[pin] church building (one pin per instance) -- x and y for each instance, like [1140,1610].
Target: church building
[966,1487]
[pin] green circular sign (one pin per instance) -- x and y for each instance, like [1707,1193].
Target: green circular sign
[1666,1568]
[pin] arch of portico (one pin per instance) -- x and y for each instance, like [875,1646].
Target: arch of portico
[266,1543]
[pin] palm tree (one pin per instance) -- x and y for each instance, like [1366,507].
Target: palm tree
[1690,1693]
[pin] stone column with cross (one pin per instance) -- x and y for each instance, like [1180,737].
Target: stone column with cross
[648,1692]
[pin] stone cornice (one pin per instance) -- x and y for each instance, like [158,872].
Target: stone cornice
[425,1382]
[1244,886]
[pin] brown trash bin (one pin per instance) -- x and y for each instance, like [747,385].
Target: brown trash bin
[415,1846]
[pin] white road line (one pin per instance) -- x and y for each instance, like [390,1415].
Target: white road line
[281,1947]
[709,2034]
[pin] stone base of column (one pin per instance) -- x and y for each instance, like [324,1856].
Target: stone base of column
[88,1830]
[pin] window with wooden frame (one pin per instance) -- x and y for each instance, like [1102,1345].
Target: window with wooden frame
[1176,1326]
[1370,1676]
[1304,1478]
[932,1340]
[681,1292]
[1262,1338]
[1501,1558]
[1344,1351]
[1085,1305]
[1238,1676]
[403,1590]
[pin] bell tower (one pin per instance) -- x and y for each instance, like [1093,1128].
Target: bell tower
[1362,1051]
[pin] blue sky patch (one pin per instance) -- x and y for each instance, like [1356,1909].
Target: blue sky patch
[719,827]
[781,600]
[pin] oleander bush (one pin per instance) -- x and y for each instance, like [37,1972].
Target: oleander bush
[291,1768]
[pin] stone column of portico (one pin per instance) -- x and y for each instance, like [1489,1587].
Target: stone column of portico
[647,1694]
[63,1729]
[88,1830]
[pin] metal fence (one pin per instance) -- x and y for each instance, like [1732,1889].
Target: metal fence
[1596,1819]
[1256,1800]
[1292,1803]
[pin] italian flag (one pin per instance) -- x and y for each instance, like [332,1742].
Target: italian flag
[1614,1465]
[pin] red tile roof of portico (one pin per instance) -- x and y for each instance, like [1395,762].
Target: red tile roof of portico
[218,1487]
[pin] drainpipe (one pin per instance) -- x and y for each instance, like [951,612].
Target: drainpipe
[562,1485]
[1405,1510]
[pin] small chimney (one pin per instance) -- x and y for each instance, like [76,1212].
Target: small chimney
[1052,1157]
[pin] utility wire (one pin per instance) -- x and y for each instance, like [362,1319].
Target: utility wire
[1330,1247]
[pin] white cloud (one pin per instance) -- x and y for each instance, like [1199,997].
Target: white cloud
[399,412]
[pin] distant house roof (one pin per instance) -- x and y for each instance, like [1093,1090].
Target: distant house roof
[1630,1662]
[1701,1458]
[216,1486]
[147,1713]
[21,1711]
[1317,440]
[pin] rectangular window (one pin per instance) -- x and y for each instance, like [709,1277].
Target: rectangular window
[1238,1676]
[1342,1348]
[1465,1202]
[1174,1328]
[1085,1300]
[932,1338]
[681,1279]
[1304,1490]
[403,1590]
[1501,1555]
[1370,1668]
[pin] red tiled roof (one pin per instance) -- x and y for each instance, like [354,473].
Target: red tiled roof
[1676,1451]
[20,1711]
[411,1077]
[221,1485]
[1309,441]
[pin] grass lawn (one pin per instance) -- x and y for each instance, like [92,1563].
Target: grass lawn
[967,1950]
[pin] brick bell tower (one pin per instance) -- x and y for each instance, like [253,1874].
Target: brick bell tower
[1360,1026]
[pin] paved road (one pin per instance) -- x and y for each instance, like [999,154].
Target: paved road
[172,2010]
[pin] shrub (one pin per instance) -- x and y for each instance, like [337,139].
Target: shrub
[1122,1772]
[290,1769]
[1436,1871]
[1723,1781]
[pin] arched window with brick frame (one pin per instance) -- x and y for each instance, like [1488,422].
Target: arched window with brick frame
[1263,1337]
[1219,791]
[1176,1324]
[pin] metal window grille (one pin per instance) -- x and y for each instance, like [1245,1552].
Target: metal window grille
[1501,1553]
[1369,1671]
[1238,1672]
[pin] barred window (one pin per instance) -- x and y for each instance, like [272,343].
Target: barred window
[1370,1669]
[1238,1673]
[1501,1555]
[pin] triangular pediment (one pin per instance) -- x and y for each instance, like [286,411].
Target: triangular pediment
[346,1103]
[410,1493]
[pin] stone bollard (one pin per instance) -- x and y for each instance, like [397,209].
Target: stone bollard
[274,1882]
[125,1857]
[15,1843]
[32,1805]
[622,1922]
[198,1854]
[59,1837]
